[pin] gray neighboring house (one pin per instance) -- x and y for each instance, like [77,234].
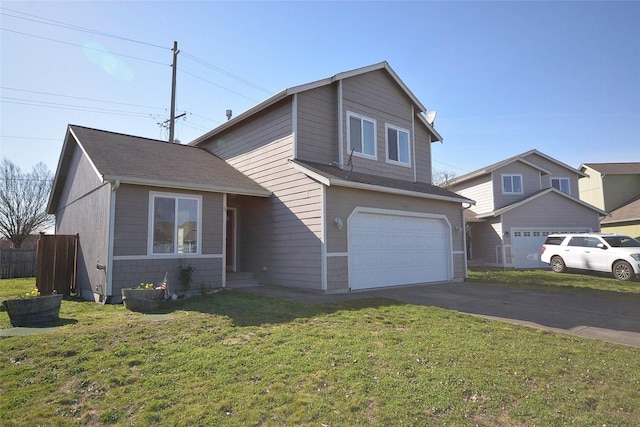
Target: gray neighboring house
[324,186]
[614,187]
[519,201]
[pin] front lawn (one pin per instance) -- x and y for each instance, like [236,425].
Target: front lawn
[240,359]
[567,282]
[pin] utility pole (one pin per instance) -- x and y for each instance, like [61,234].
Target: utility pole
[172,116]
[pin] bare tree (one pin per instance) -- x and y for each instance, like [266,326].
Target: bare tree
[23,201]
[442,178]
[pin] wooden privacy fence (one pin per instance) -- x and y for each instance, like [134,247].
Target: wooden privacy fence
[57,257]
[17,263]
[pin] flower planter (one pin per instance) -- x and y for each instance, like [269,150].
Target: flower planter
[38,311]
[142,300]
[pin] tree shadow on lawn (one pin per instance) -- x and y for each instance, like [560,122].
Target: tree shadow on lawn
[248,309]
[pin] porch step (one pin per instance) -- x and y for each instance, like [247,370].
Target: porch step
[241,280]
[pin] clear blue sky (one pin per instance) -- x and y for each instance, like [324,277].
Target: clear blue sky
[505,77]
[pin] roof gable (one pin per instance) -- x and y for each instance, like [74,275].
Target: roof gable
[525,158]
[319,83]
[539,194]
[135,160]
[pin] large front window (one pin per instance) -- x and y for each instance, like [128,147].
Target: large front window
[362,135]
[398,145]
[175,224]
[512,184]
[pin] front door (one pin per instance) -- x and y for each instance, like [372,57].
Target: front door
[232,238]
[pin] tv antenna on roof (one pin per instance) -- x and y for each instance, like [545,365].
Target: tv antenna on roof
[431,116]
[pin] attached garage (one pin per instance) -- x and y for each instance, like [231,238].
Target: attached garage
[390,248]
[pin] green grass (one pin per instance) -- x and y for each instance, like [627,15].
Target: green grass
[241,359]
[563,282]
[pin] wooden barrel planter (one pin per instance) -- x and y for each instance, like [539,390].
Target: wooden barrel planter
[38,311]
[142,300]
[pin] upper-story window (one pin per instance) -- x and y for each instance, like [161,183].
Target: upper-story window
[174,224]
[561,184]
[398,145]
[512,184]
[362,135]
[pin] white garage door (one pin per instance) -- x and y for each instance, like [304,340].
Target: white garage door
[526,244]
[387,249]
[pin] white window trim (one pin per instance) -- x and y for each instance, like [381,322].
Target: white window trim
[152,196]
[560,178]
[511,192]
[387,126]
[375,136]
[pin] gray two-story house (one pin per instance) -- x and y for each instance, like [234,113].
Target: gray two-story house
[324,186]
[519,201]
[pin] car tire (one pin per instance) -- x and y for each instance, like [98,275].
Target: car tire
[558,265]
[622,270]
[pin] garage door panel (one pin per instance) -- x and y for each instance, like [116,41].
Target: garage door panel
[388,250]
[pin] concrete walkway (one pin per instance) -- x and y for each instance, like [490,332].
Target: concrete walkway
[606,316]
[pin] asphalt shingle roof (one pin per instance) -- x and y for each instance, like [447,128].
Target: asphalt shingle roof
[145,161]
[332,172]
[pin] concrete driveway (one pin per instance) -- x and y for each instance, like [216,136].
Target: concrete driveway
[606,316]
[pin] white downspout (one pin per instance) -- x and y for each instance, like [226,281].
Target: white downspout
[340,126]
[224,240]
[112,224]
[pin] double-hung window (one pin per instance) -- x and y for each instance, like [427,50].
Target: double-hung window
[398,145]
[512,184]
[561,184]
[362,135]
[174,224]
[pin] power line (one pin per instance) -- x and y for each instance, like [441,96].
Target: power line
[225,72]
[217,85]
[42,20]
[44,104]
[80,98]
[28,137]
[84,47]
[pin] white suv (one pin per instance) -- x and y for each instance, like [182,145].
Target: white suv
[613,253]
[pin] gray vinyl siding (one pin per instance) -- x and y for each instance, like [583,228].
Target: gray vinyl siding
[131,228]
[375,95]
[317,115]
[423,154]
[566,213]
[486,237]
[283,233]
[556,171]
[341,202]
[83,209]
[530,183]
[481,191]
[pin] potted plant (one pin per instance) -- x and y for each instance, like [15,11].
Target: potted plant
[33,309]
[146,297]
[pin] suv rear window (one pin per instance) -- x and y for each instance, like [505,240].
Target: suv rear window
[553,240]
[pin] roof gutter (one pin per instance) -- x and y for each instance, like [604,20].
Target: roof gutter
[397,191]
[190,187]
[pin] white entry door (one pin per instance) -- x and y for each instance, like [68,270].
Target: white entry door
[388,248]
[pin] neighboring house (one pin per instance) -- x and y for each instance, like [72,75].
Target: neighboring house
[614,187]
[519,201]
[324,186]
